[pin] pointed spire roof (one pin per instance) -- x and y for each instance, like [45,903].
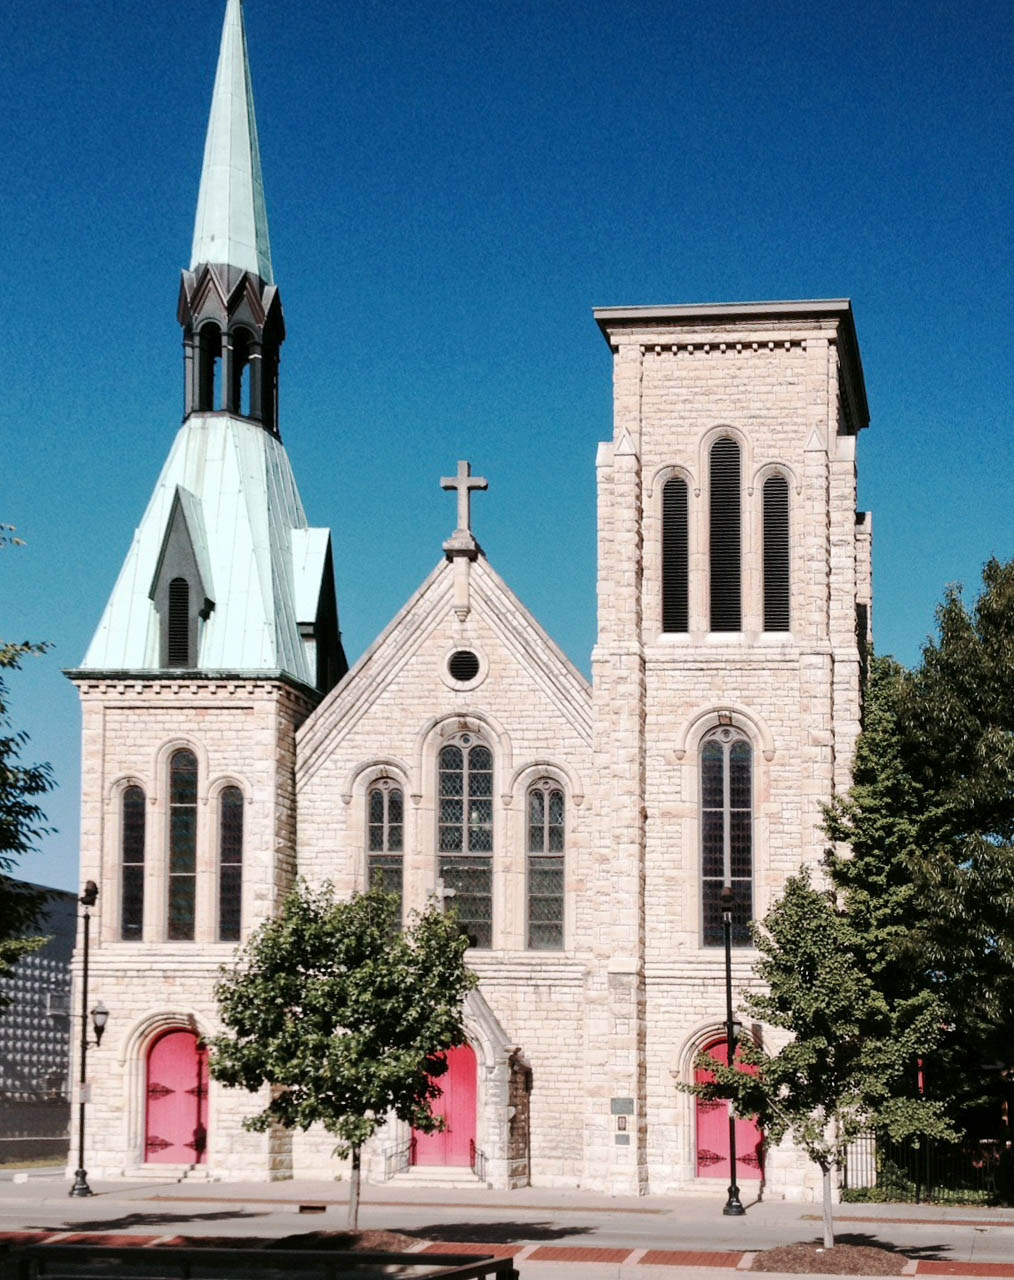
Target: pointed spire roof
[232,221]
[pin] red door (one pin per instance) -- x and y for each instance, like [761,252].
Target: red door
[457,1105]
[177,1100]
[713,1130]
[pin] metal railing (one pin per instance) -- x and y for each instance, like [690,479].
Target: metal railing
[69,1262]
[477,1159]
[928,1171]
[399,1159]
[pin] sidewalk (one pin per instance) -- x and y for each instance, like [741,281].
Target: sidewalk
[551,1234]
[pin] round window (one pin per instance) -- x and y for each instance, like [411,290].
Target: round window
[463,665]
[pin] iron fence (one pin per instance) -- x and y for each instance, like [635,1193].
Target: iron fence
[925,1171]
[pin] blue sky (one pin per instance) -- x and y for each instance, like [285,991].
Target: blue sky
[451,188]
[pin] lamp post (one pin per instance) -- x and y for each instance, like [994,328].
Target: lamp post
[100,1016]
[733,1205]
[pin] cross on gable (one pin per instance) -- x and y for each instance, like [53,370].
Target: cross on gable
[464,482]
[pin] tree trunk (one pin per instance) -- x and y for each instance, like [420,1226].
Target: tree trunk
[828,1223]
[354,1191]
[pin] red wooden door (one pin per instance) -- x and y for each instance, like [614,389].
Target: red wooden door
[713,1130]
[177,1100]
[457,1105]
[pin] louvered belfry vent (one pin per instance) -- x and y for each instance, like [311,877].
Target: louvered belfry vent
[178,628]
[675,575]
[776,554]
[724,548]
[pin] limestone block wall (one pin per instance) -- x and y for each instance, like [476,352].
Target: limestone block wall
[242,733]
[777,386]
[389,719]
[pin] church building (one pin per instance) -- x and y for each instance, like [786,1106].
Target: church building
[583,831]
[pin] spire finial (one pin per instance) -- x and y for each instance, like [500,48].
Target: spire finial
[232,222]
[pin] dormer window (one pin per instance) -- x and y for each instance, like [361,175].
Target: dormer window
[178,624]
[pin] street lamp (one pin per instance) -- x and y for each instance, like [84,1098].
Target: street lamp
[733,1205]
[99,1016]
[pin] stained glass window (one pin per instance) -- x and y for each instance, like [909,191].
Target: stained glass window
[385,826]
[465,835]
[182,845]
[726,834]
[230,863]
[132,871]
[546,838]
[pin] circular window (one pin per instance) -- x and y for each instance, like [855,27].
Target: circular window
[463,665]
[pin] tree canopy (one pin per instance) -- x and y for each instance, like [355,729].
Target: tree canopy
[850,1064]
[344,1015]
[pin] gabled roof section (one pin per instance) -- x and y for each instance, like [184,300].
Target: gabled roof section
[185,519]
[232,222]
[232,483]
[430,610]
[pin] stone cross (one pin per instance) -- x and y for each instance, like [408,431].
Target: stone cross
[464,482]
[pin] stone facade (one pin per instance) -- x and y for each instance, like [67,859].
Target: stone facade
[582,1028]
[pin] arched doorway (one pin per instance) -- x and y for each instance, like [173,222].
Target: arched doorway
[176,1097]
[457,1104]
[713,1130]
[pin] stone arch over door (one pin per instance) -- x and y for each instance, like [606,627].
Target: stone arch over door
[133,1063]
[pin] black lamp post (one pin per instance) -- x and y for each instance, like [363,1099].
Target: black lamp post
[100,1016]
[733,1205]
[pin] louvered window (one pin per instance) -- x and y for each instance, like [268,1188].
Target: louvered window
[132,869]
[385,824]
[182,844]
[776,554]
[726,834]
[675,557]
[178,629]
[230,863]
[465,835]
[725,530]
[546,834]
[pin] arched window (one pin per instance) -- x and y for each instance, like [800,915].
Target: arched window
[182,845]
[385,826]
[724,549]
[209,353]
[776,554]
[465,835]
[132,865]
[546,839]
[239,391]
[675,557]
[178,625]
[726,833]
[230,863]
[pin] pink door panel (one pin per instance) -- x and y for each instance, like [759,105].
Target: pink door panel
[457,1104]
[713,1131]
[177,1100]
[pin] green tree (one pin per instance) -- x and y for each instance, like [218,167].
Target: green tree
[344,1016]
[22,821]
[849,1065]
[956,721]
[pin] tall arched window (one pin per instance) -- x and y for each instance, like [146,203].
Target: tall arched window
[209,354]
[182,845]
[726,833]
[385,825]
[724,551]
[178,625]
[675,557]
[465,835]
[230,863]
[776,554]
[546,839]
[132,865]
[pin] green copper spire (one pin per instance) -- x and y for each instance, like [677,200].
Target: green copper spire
[232,221]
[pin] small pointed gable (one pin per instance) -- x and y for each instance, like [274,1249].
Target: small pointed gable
[184,551]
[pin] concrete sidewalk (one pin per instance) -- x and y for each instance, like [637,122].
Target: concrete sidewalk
[551,1234]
